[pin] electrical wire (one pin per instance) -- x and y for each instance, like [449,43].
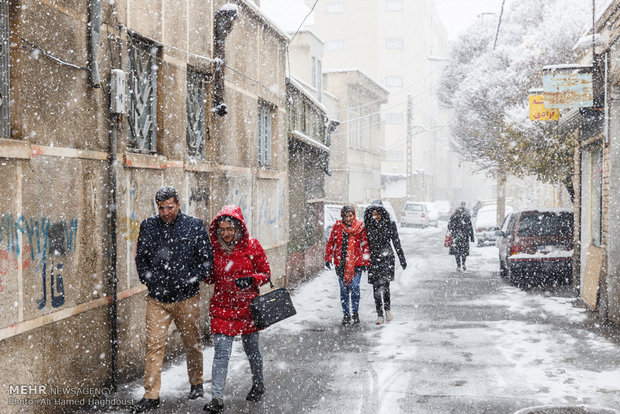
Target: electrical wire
[34,47]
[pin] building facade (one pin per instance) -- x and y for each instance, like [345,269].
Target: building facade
[354,100]
[596,262]
[389,41]
[203,108]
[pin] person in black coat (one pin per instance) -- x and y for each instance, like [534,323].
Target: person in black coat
[462,232]
[173,256]
[382,234]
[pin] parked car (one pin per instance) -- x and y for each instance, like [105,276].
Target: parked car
[361,208]
[415,213]
[485,224]
[391,212]
[331,213]
[536,246]
[433,214]
[444,207]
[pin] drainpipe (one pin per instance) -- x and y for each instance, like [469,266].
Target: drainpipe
[224,19]
[94,29]
[115,118]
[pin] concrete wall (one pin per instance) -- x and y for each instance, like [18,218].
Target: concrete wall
[55,234]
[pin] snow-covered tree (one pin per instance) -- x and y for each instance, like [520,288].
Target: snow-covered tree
[487,87]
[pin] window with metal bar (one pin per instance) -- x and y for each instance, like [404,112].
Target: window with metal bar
[196,99]
[5,125]
[142,94]
[265,113]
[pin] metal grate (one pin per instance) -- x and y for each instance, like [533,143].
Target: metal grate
[196,87]
[264,135]
[142,95]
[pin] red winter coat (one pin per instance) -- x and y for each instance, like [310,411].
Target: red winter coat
[229,308]
[361,253]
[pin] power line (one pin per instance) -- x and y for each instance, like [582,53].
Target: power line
[303,21]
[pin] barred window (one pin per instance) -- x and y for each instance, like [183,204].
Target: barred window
[196,99]
[142,94]
[265,113]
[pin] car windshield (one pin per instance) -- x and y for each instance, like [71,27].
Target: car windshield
[546,224]
[414,207]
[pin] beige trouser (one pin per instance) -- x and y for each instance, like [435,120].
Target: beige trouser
[186,318]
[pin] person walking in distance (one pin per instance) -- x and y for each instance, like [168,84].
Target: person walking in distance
[462,232]
[382,235]
[240,267]
[173,256]
[348,248]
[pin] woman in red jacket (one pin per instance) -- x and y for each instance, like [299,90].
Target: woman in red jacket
[240,267]
[348,246]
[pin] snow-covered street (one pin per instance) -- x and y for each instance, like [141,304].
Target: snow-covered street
[465,342]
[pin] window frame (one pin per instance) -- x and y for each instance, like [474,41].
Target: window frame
[144,74]
[335,44]
[394,43]
[389,84]
[393,5]
[334,7]
[265,134]
[196,139]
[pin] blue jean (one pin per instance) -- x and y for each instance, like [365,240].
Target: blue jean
[351,290]
[223,348]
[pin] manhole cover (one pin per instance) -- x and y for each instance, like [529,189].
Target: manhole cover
[556,409]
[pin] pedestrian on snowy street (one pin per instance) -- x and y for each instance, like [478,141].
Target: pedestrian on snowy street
[462,232]
[348,247]
[240,267]
[173,256]
[382,235]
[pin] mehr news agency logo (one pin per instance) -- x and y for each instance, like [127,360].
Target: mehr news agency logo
[50,395]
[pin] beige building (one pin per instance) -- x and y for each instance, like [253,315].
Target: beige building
[596,262]
[205,111]
[400,45]
[354,99]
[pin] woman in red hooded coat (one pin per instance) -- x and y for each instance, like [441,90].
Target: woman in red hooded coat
[348,248]
[240,267]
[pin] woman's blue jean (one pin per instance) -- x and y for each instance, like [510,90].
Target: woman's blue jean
[223,348]
[351,290]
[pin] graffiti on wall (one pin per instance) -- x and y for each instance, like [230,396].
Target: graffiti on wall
[46,244]
[270,212]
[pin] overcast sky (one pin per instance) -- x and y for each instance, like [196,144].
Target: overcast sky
[456,14]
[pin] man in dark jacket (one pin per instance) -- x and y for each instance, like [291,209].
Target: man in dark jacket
[382,234]
[173,256]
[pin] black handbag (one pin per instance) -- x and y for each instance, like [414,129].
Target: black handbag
[272,307]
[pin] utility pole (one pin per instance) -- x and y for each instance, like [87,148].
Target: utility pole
[501,196]
[409,146]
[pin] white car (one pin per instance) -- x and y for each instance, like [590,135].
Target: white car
[444,208]
[486,225]
[361,208]
[433,214]
[415,213]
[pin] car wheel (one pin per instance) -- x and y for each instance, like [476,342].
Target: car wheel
[503,271]
[480,243]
